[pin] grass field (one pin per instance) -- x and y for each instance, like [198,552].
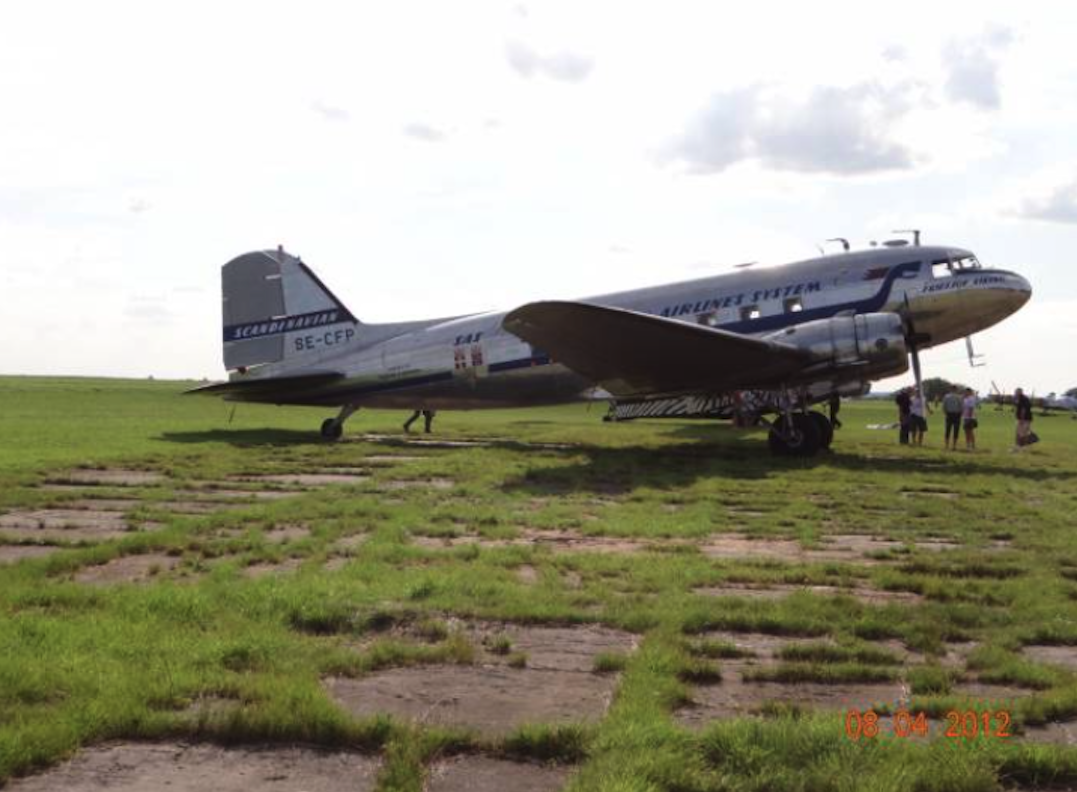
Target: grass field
[729,607]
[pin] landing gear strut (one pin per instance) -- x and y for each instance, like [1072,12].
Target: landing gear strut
[333,428]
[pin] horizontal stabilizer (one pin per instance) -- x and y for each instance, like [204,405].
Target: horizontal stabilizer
[256,389]
[635,354]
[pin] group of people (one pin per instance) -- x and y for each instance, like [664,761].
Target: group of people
[960,412]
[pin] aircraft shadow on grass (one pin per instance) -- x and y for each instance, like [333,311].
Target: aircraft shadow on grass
[609,471]
[245,438]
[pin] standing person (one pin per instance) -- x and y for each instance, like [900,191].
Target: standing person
[968,419]
[428,419]
[952,408]
[903,404]
[918,418]
[1022,411]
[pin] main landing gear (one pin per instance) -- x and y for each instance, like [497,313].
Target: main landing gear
[800,434]
[333,428]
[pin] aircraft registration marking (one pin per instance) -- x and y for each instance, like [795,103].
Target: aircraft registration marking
[321,340]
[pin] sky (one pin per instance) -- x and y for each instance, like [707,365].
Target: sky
[433,159]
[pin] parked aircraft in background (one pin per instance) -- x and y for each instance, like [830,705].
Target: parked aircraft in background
[1046,404]
[762,343]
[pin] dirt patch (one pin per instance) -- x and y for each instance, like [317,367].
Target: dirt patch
[72,525]
[548,648]
[911,494]
[492,700]
[741,546]
[287,533]
[119,505]
[555,541]
[985,693]
[321,479]
[733,697]
[484,774]
[180,767]
[775,591]
[957,653]
[391,459]
[1063,733]
[109,477]
[349,543]
[224,493]
[9,554]
[850,548]
[1065,656]
[336,564]
[264,568]
[128,569]
[527,575]
[761,646]
[63,518]
[395,485]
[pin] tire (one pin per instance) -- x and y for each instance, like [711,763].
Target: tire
[826,429]
[331,430]
[803,441]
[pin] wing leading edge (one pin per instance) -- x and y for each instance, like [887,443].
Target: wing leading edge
[635,354]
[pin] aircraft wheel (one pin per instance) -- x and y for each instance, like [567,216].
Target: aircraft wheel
[331,430]
[802,440]
[825,427]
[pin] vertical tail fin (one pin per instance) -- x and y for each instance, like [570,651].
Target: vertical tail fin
[275,308]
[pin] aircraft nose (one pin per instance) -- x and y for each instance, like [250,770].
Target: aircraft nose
[1019,289]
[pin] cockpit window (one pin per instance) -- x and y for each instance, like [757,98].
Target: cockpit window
[943,268]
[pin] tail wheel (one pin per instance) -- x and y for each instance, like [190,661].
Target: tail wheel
[331,430]
[801,438]
[825,427]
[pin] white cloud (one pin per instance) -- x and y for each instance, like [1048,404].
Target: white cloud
[1058,204]
[417,130]
[972,68]
[561,65]
[843,131]
[330,112]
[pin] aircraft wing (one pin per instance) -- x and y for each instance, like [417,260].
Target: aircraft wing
[635,354]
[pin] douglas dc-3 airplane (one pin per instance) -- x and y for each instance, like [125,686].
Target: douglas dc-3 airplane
[762,344]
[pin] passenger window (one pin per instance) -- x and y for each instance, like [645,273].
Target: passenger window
[794,305]
[749,312]
[710,319]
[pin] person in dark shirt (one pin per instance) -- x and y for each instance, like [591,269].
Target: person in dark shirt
[1022,411]
[904,404]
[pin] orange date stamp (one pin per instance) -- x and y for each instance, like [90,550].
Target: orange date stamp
[960,725]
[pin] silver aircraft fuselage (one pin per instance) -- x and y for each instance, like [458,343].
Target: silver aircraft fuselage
[472,362]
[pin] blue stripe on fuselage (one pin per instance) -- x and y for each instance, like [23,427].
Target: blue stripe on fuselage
[868,305]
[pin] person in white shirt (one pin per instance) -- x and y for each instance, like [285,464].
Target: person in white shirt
[968,418]
[918,418]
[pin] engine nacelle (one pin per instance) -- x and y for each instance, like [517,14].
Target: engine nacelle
[864,346]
